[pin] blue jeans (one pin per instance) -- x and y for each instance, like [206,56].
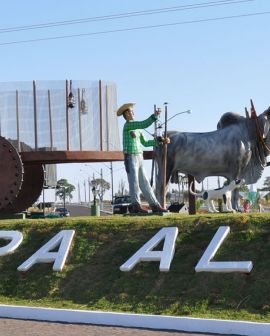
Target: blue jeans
[138,180]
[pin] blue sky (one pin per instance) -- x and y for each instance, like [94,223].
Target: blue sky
[210,67]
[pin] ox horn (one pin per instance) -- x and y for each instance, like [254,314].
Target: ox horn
[253,111]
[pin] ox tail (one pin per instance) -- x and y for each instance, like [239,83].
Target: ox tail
[192,192]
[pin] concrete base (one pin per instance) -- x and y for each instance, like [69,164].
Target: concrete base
[150,214]
[12,216]
[158,322]
[95,210]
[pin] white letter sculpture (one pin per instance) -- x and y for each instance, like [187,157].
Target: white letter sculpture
[43,255]
[206,265]
[16,238]
[145,253]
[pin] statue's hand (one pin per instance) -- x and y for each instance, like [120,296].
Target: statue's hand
[166,140]
[163,140]
[157,112]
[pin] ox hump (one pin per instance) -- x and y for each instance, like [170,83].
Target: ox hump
[230,118]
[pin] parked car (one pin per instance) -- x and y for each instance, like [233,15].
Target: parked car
[63,212]
[120,204]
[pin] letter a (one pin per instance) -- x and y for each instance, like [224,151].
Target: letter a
[43,255]
[145,253]
[16,238]
[206,265]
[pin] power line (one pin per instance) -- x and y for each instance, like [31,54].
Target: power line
[135,28]
[122,15]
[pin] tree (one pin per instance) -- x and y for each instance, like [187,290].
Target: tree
[122,188]
[266,183]
[244,188]
[266,187]
[101,186]
[64,189]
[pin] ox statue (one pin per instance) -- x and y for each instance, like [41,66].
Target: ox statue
[236,150]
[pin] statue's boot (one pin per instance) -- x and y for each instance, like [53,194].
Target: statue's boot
[136,208]
[157,208]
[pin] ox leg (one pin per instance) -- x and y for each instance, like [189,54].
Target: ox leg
[226,203]
[244,158]
[236,200]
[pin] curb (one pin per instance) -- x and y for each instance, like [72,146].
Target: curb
[160,322]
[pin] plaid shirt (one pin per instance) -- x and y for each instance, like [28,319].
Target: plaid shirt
[133,138]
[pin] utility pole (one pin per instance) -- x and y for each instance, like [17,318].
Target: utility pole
[84,191]
[153,159]
[89,190]
[79,193]
[112,178]
[163,201]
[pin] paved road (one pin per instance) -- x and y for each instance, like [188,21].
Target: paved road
[82,210]
[78,210]
[11,327]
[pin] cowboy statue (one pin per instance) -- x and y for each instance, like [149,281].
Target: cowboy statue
[133,140]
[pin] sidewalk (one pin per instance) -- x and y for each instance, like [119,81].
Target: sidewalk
[11,327]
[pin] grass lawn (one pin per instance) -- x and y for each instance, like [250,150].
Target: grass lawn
[91,278]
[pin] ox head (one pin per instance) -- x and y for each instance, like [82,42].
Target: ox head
[265,121]
[262,128]
[250,119]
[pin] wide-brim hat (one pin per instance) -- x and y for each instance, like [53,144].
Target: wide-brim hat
[123,108]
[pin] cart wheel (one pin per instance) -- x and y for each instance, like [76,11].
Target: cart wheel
[33,180]
[11,173]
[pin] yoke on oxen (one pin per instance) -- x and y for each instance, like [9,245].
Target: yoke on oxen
[236,150]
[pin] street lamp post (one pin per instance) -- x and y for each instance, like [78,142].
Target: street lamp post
[95,209]
[94,191]
[158,130]
[163,199]
[175,115]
